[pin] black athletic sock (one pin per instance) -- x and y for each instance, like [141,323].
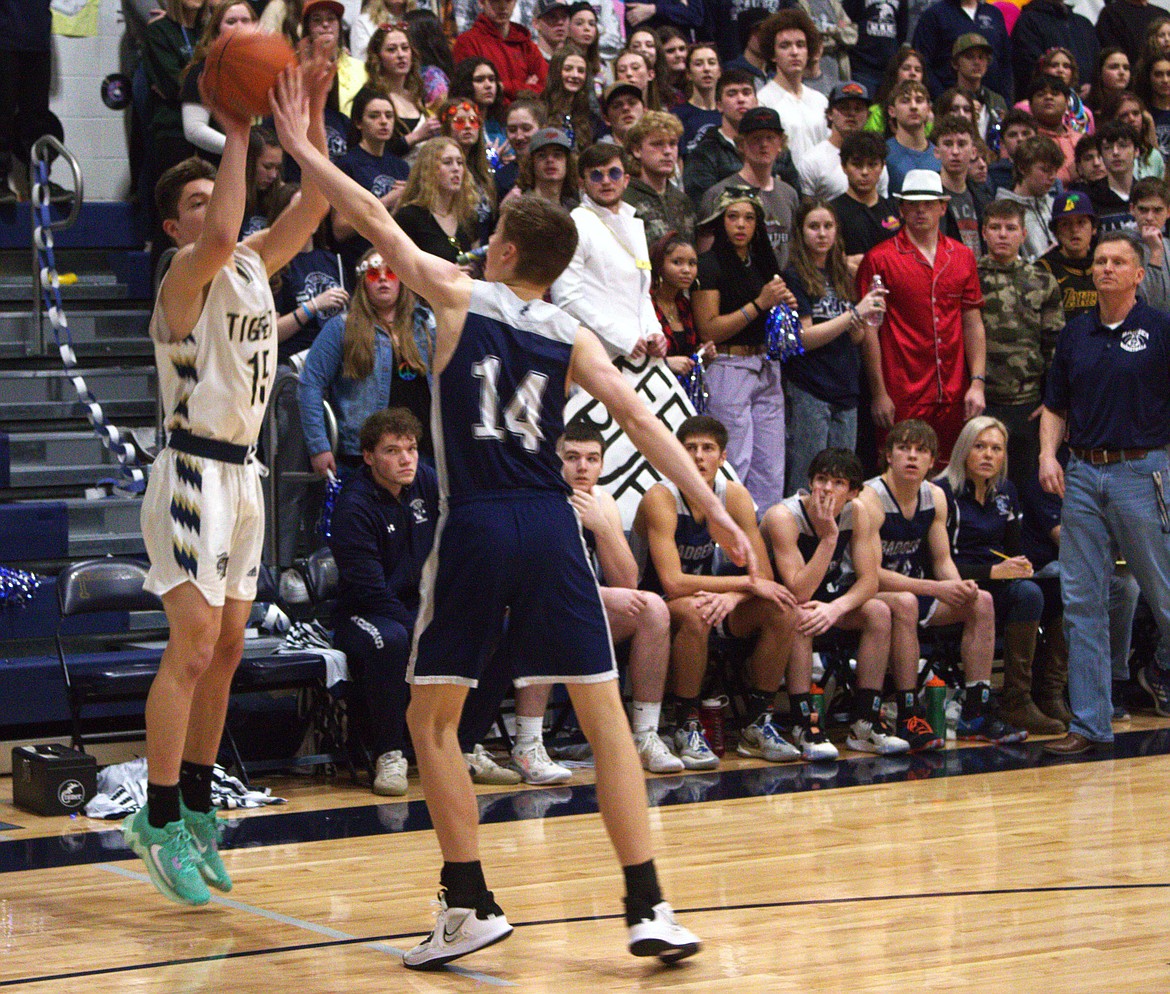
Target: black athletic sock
[759,702]
[867,705]
[464,883]
[907,705]
[686,709]
[195,786]
[642,891]
[802,709]
[162,801]
[975,700]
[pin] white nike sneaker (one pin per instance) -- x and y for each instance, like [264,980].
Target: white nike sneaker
[532,761]
[656,758]
[663,937]
[458,931]
[390,774]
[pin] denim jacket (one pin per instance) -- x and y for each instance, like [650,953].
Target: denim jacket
[353,400]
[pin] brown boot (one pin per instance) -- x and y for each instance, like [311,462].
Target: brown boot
[1018,708]
[1052,673]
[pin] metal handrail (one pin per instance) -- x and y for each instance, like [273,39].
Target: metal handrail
[40,151]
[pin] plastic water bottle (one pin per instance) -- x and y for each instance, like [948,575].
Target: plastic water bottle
[877,317]
[936,704]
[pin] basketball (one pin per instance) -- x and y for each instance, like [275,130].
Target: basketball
[240,70]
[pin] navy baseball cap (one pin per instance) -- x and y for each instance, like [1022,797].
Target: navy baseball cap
[1072,204]
[849,90]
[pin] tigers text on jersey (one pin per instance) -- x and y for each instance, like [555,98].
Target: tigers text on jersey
[215,382]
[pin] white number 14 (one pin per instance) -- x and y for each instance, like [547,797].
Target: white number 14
[521,416]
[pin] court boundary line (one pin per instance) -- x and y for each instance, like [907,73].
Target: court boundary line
[378,941]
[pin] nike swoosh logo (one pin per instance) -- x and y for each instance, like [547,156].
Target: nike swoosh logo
[154,855]
[200,846]
[452,936]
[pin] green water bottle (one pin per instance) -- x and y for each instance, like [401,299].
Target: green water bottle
[818,702]
[936,705]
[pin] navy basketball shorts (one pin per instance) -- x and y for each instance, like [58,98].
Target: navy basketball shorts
[508,583]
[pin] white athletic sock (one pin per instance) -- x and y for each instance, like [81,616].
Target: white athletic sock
[529,728]
[644,716]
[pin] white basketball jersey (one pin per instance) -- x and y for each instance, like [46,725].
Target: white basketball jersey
[216,381]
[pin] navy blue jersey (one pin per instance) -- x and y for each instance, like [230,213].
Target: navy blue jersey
[696,547]
[840,575]
[498,407]
[904,546]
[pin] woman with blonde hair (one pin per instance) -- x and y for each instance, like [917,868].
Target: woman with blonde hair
[984,519]
[392,68]
[377,355]
[459,119]
[437,208]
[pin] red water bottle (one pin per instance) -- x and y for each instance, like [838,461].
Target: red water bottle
[711,714]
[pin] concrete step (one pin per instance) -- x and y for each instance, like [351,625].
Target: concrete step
[58,458]
[48,395]
[94,332]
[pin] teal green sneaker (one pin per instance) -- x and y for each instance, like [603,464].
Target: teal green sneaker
[169,855]
[204,831]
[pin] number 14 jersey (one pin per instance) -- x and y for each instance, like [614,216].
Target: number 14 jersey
[497,409]
[216,381]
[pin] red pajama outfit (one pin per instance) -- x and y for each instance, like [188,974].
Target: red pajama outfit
[924,363]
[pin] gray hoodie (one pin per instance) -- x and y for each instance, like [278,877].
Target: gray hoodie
[1037,213]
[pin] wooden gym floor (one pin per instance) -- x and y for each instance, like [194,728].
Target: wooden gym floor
[977,869]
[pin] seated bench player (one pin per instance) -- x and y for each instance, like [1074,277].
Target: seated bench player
[920,583]
[635,615]
[679,564]
[826,550]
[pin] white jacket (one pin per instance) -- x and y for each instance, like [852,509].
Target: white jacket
[606,285]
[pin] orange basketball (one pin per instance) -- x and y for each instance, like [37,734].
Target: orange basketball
[241,68]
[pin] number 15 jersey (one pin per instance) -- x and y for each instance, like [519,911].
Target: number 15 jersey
[498,407]
[216,381]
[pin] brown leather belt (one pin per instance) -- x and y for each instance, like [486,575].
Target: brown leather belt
[1107,457]
[741,350]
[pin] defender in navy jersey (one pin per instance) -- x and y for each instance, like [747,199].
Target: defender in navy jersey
[215,340]
[921,585]
[508,539]
[825,546]
[675,537]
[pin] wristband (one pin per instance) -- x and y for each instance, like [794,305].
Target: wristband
[308,313]
[979,376]
[297,318]
[759,309]
[746,316]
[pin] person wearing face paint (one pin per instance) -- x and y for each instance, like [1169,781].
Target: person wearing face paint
[459,119]
[373,356]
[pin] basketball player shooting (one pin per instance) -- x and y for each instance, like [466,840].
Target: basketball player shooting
[508,538]
[214,332]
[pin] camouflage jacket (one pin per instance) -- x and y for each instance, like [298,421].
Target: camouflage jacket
[661,214]
[1022,315]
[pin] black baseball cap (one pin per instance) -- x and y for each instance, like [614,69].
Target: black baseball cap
[760,119]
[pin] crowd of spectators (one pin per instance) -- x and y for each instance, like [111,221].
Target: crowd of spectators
[922,187]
